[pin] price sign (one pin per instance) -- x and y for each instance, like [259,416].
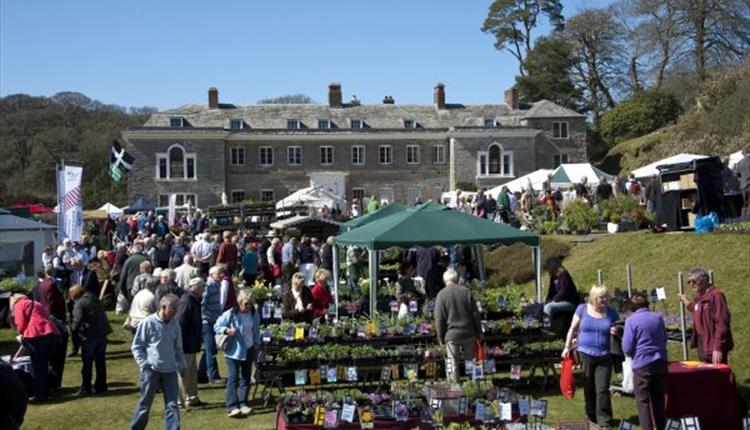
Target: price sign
[661,294]
[538,408]
[624,425]
[347,413]
[523,406]
[477,372]
[266,336]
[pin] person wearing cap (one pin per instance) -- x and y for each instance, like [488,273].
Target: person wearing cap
[190,318]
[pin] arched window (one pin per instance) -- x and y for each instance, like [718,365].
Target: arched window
[176,164]
[495,161]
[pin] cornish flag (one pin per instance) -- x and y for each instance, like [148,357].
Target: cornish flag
[120,162]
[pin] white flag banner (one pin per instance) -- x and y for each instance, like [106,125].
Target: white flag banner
[70,203]
[172,208]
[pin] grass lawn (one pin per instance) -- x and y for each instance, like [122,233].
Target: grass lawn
[655,259]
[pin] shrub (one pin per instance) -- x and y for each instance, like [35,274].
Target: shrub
[641,114]
[579,216]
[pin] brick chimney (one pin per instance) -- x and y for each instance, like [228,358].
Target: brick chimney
[388,100]
[439,96]
[512,98]
[213,98]
[334,95]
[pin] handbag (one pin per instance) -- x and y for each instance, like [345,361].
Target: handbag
[567,382]
[224,341]
[276,270]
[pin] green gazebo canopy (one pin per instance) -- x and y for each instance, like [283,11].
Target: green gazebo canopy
[368,218]
[432,224]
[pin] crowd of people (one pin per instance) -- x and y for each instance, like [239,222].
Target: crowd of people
[179,295]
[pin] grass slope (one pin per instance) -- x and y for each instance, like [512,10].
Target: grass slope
[655,259]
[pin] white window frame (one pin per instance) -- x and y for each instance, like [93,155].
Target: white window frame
[360,123]
[490,118]
[483,163]
[413,154]
[438,154]
[241,123]
[361,149]
[296,122]
[232,199]
[323,150]
[559,125]
[289,155]
[410,123]
[326,123]
[266,190]
[185,157]
[390,155]
[238,150]
[260,156]
[180,118]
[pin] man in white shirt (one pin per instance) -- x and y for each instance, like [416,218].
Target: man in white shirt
[201,251]
[185,272]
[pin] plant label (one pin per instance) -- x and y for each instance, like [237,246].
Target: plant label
[411,367]
[370,328]
[515,372]
[289,334]
[347,412]
[463,405]
[746,423]
[266,311]
[479,412]
[394,306]
[436,404]
[313,332]
[366,417]
[400,411]
[538,408]
[266,336]
[331,419]
[500,302]
[319,416]
[394,372]
[341,373]
[331,374]
[489,413]
[410,328]
[477,372]
[277,312]
[690,423]
[300,377]
[413,308]
[624,425]
[506,411]
[299,333]
[424,328]
[361,331]
[315,377]
[523,406]
[425,415]
[431,305]
[429,369]
[661,294]
[673,425]
[385,373]
[490,366]
[351,374]
[469,367]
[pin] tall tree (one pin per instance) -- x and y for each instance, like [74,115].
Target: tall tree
[659,32]
[513,21]
[548,73]
[600,71]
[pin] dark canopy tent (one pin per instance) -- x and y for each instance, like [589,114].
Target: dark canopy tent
[431,224]
[373,216]
[140,205]
[708,192]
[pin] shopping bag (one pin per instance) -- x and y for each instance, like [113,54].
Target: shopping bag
[480,350]
[627,375]
[122,305]
[567,383]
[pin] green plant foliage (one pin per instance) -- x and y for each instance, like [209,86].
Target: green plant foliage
[641,114]
[16,286]
[579,216]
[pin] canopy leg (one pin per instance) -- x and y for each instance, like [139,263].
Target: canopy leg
[373,257]
[480,263]
[537,257]
[336,280]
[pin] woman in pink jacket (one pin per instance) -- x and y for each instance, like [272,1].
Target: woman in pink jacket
[38,335]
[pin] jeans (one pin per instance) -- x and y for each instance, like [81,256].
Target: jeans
[597,373]
[553,308]
[93,351]
[151,380]
[239,374]
[648,384]
[208,369]
[40,349]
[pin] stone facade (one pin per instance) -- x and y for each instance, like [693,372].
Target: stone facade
[484,145]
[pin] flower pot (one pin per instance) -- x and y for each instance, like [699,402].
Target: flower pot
[612,227]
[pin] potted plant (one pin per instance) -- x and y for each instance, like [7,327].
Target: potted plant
[613,226]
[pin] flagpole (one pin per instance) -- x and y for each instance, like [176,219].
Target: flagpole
[60,169]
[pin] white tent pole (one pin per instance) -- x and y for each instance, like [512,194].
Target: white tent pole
[336,280]
[480,263]
[373,257]
[538,270]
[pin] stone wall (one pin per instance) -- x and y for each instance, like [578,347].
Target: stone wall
[574,145]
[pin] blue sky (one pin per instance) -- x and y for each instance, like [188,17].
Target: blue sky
[168,53]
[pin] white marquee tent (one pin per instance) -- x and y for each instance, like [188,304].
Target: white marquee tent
[569,174]
[24,240]
[315,197]
[111,209]
[537,179]
[651,170]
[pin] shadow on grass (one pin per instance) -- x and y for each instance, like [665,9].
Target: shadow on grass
[67,394]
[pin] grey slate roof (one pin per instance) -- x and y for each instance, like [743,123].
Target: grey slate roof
[10,222]
[376,116]
[547,109]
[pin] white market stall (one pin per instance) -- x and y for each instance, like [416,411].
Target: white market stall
[536,178]
[111,210]
[314,197]
[569,174]
[23,240]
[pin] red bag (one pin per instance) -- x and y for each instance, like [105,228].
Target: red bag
[567,383]
[276,271]
[480,350]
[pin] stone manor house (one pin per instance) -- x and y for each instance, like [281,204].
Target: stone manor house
[394,152]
